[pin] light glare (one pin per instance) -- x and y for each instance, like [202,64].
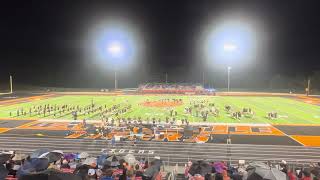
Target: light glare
[115,49]
[229,47]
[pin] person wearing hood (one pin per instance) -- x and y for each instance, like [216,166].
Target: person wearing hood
[82,171]
[65,164]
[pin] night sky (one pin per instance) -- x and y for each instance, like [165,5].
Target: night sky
[47,43]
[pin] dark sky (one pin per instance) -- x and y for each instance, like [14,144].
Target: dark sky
[45,43]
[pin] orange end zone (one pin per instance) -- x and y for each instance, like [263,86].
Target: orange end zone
[45,125]
[308,140]
[2,130]
[247,130]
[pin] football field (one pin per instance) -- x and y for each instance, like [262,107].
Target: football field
[147,107]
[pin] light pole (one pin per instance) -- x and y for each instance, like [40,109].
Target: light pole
[115,80]
[229,48]
[229,68]
[115,50]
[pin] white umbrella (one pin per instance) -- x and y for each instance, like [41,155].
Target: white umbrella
[57,151]
[272,174]
[130,159]
[83,155]
[90,161]
[19,157]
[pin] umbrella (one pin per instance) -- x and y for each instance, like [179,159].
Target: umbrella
[57,151]
[56,175]
[3,172]
[151,171]
[82,170]
[255,164]
[33,165]
[157,163]
[83,155]
[114,160]
[50,175]
[219,167]
[200,167]
[69,156]
[39,176]
[90,161]
[266,174]
[19,157]
[51,156]
[102,159]
[257,171]
[4,157]
[39,164]
[130,159]
[39,152]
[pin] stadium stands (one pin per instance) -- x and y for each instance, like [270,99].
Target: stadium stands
[53,164]
[163,88]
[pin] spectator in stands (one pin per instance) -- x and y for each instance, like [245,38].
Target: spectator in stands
[284,167]
[138,172]
[306,175]
[106,173]
[113,141]
[92,175]
[82,171]
[187,168]
[65,164]
[316,170]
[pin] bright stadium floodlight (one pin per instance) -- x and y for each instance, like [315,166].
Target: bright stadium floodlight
[229,44]
[115,48]
[229,47]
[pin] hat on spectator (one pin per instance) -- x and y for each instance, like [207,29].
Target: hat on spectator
[157,157]
[16,167]
[91,172]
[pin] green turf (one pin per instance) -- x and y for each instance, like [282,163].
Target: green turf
[290,110]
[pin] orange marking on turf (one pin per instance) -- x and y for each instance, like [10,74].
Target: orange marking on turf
[268,131]
[309,100]
[220,129]
[26,125]
[162,103]
[247,130]
[49,126]
[2,130]
[242,130]
[75,135]
[307,140]
[94,136]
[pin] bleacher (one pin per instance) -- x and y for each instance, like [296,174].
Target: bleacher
[165,88]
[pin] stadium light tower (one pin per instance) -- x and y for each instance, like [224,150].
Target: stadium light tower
[229,44]
[229,68]
[229,48]
[116,48]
